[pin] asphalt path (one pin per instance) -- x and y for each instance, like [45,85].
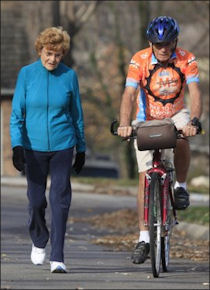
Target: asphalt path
[89,266]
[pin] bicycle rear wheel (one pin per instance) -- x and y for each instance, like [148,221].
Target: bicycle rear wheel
[155,223]
[165,240]
[165,252]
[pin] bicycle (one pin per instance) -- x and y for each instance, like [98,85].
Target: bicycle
[159,208]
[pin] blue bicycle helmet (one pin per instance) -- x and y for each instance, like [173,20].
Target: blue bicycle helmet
[162,29]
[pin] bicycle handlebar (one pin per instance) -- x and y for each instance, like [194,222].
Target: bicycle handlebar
[133,135]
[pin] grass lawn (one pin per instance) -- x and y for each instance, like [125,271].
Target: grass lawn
[194,214]
[106,181]
[126,182]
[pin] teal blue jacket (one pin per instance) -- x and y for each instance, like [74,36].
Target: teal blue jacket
[46,109]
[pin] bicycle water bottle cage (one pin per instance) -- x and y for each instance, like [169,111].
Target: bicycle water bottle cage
[156,134]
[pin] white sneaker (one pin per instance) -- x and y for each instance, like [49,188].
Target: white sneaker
[57,267]
[37,255]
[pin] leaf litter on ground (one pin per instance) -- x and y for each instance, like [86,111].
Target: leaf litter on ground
[123,228]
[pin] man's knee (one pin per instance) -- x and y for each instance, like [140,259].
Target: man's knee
[182,143]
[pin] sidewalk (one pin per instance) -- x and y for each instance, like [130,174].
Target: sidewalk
[90,266]
[194,231]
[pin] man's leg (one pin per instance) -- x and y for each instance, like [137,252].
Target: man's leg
[181,163]
[182,159]
[144,161]
[140,201]
[141,250]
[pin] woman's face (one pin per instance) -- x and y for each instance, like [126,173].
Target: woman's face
[50,58]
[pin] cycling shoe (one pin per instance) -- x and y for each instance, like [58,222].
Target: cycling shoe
[181,198]
[140,253]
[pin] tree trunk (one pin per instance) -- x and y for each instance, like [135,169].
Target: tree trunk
[129,150]
[56,13]
[144,17]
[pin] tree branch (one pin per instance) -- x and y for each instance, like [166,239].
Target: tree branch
[83,14]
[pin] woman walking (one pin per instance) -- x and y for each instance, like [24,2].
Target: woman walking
[46,125]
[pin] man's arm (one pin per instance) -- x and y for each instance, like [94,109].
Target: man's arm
[195,107]
[126,108]
[195,100]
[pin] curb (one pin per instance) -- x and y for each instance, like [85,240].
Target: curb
[128,190]
[194,231]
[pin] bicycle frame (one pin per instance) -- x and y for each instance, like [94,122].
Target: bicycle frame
[158,167]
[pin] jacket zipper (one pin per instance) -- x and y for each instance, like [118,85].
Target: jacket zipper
[48,136]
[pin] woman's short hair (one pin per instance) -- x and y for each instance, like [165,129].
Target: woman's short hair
[54,38]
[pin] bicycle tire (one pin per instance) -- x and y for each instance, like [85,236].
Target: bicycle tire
[155,223]
[165,240]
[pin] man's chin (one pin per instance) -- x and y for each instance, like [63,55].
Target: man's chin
[163,59]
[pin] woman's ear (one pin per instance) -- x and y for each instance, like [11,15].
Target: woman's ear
[40,51]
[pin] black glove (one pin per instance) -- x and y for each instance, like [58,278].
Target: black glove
[79,162]
[195,122]
[18,158]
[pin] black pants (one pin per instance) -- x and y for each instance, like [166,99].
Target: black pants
[38,165]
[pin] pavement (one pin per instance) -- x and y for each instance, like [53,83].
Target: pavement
[89,266]
[194,231]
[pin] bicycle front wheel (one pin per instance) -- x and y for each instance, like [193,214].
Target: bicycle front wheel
[155,223]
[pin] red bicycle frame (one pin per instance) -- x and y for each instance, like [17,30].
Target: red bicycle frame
[159,168]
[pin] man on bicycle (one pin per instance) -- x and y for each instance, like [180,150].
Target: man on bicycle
[155,82]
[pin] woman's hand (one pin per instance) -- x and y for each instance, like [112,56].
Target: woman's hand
[79,162]
[18,158]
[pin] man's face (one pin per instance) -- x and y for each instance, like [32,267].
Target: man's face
[163,50]
[50,58]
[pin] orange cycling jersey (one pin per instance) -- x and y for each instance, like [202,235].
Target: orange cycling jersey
[161,89]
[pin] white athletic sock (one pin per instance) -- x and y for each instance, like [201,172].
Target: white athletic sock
[180,184]
[144,236]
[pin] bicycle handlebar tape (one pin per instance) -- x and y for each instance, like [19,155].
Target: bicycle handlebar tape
[195,122]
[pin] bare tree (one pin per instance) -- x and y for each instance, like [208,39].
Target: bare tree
[144,18]
[74,16]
